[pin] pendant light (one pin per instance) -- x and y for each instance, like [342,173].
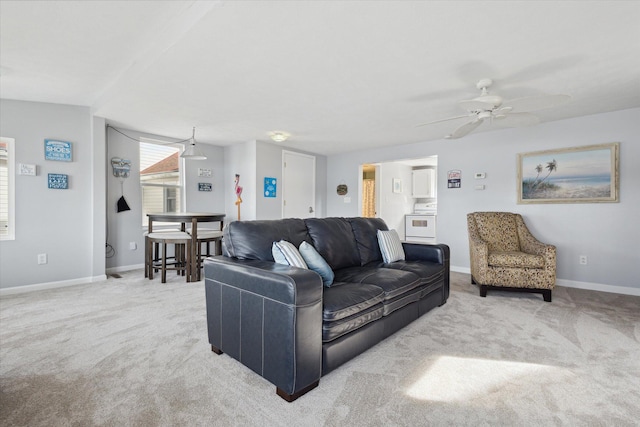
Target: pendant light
[191,152]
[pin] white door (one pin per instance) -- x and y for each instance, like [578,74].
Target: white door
[298,185]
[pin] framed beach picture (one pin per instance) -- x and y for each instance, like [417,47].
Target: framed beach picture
[586,174]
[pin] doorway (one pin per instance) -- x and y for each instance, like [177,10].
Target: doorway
[369,193]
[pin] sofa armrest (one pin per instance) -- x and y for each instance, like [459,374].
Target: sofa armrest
[438,254]
[267,316]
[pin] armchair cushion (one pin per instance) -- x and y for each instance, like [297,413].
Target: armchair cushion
[515,259]
[499,231]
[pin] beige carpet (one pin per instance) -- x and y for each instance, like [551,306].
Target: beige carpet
[129,352]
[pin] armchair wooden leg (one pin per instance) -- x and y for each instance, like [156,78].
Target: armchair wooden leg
[216,350]
[546,294]
[483,290]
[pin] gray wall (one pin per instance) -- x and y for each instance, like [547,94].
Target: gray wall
[126,227]
[606,232]
[65,224]
[270,165]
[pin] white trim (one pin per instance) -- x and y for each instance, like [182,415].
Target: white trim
[11,177]
[124,268]
[624,290]
[461,269]
[51,285]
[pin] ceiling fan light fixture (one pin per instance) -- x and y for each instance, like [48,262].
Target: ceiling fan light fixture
[279,136]
[192,152]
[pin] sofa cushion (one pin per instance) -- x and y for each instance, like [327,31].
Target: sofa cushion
[285,253]
[515,259]
[346,299]
[393,282]
[334,240]
[316,263]
[390,246]
[428,272]
[365,232]
[401,300]
[253,239]
[333,330]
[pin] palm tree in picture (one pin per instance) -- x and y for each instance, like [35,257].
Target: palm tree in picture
[532,182]
[551,166]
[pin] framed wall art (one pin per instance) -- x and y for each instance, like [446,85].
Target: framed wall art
[397,185]
[57,150]
[586,174]
[58,181]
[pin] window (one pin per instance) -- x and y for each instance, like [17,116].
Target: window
[160,179]
[7,189]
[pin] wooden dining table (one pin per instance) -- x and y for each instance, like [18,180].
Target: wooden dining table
[185,218]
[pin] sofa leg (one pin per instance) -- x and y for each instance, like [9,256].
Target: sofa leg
[291,397]
[483,290]
[473,281]
[216,350]
[546,294]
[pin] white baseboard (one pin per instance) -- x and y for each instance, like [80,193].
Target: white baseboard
[124,268]
[50,285]
[624,290]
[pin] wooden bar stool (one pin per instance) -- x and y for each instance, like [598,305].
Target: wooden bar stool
[182,248]
[207,236]
[155,250]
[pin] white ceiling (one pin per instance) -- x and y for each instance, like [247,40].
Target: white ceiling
[336,75]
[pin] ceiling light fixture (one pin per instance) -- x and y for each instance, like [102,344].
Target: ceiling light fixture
[191,152]
[279,136]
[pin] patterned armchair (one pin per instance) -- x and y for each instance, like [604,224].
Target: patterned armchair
[506,256]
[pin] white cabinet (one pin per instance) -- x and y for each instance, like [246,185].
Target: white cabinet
[424,183]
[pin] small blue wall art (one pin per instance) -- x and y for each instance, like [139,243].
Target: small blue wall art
[270,187]
[58,181]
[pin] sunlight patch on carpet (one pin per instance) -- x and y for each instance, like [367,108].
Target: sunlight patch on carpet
[452,379]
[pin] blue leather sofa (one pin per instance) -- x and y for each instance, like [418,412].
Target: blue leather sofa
[281,322]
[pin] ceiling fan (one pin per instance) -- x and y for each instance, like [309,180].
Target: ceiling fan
[513,113]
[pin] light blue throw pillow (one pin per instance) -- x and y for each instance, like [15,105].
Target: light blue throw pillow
[316,263]
[286,253]
[390,246]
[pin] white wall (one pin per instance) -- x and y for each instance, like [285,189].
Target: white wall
[60,223]
[240,159]
[606,232]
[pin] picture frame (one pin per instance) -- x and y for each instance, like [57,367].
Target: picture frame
[397,185]
[587,174]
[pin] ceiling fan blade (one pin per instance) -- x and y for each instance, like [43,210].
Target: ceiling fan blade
[464,129]
[513,120]
[446,120]
[535,103]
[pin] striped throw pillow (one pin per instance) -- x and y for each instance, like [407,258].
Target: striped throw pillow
[390,246]
[286,253]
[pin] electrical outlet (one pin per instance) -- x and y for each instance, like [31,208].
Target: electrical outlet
[133,246]
[42,259]
[583,260]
